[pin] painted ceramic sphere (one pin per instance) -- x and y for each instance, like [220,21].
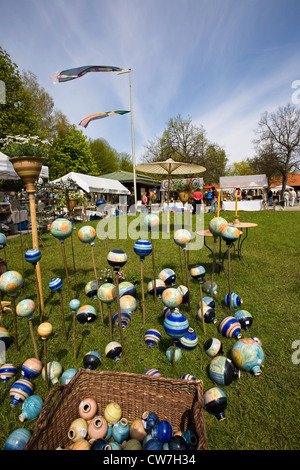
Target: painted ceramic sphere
[182,237]
[208,314]
[31,408]
[230,327]
[5,336]
[213,347]
[184,292]
[25,308]
[231,235]
[150,420]
[171,297]
[217,226]
[88,408]
[170,354]
[207,287]
[142,248]
[152,444]
[168,276]
[92,360]
[56,284]
[160,287]
[177,443]
[18,439]
[2,240]
[61,229]
[188,377]
[125,318]
[20,390]
[222,371]
[74,304]
[113,350]
[189,341]
[215,401]
[45,330]
[176,325]
[209,301]
[113,412]
[121,430]
[86,314]
[137,430]
[151,220]
[236,301]
[91,289]
[107,293]
[127,288]
[33,256]
[248,355]
[117,259]
[54,371]
[152,372]
[198,272]
[7,371]
[87,234]
[245,318]
[163,431]
[31,368]
[68,375]
[152,337]
[11,282]
[128,302]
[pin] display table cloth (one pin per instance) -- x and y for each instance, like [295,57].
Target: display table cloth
[254,205]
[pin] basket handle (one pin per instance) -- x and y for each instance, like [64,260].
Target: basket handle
[48,399]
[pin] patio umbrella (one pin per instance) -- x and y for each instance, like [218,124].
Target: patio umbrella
[170,167]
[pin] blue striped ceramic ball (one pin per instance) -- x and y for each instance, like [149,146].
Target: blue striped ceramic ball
[230,327]
[236,301]
[152,337]
[7,371]
[142,248]
[176,325]
[17,439]
[189,341]
[20,390]
[152,372]
[56,284]
[33,255]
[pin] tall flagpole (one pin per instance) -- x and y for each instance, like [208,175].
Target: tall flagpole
[132,133]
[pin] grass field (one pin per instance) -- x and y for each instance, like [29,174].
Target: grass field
[262,412]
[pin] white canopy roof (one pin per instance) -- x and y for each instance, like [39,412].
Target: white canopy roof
[243,182]
[95,184]
[7,171]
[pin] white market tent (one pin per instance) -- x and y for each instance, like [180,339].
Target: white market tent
[7,171]
[243,182]
[95,184]
[279,188]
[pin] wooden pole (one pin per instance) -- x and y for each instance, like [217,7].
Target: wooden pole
[153,267]
[202,309]
[120,320]
[15,322]
[33,339]
[110,322]
[66,270]
[63,316]
[187,279]
[96,277]
[213,266]
[38,295]
[35,244]
[229,279]
[143,294]
[74,266]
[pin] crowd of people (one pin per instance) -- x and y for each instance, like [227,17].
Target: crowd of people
[288,198]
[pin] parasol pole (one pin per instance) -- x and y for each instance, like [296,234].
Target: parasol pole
[168,203]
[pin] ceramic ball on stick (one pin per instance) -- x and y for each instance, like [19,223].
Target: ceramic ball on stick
[61,229]
[171,298]
[182,237]
[176,325]
[55,285]
[231,235]
[33,256]
[113,350]
[168,276]
[87,234]
[74,305]
[91,289]
[217,226]
[10,283]
[45,330]
[3,241]
[156,286]
[117,259]
[107,293]
[142,248]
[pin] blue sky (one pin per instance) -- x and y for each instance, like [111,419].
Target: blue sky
[220,62]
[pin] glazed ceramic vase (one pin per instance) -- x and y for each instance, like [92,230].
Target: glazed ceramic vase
[222,371]
[113,412]
[87,408]
[215,401]
[97,428]
[230,327]
[163,431]
[78,429]
[248,355]
[31,408]
[121,430]
[213,347]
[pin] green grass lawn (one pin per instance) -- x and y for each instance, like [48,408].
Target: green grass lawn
[262,412]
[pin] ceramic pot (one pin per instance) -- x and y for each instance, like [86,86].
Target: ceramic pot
[189,341]
[176,325]
[208,313]
[213,347]
[100,444]
[20,390]
[191,439]
[113,412]
[28,168]
[152,372]
[87,408]
[31,368]
[92,360]
[222,371]
[230,327]
[68,375]
[31,408]
[153,444]
[137,430]
[236,301]
[97,428]
[54,371]
[245,318]
[17,439]
[215,402]
[248,355]
[121,430]
[78,429]
[7,371]
[163,431]
[152,337]
[149,420]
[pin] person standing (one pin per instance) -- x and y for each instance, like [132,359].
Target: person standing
[286,197]
[270,197]
[214,200]
[197,199]
[293,196]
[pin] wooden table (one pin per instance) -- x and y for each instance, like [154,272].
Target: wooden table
[241,239]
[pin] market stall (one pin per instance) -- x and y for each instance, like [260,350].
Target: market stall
[252,189]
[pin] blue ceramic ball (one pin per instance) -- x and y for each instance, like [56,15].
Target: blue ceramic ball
[127,288]
[125,318]
[189,341]
[170,354]
[55,284]
[33,256]
[142,248]
[7,371]
[236,301]
[149,420]
[152,337]
[230,327]
[68,375]
[153,444]
[2,240]
[74,304]
[176,325]
[17,439]
[162,431]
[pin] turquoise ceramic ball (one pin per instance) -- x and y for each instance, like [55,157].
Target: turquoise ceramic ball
[248,355]
[207,287]
[142,248]
[18,439]
[74,304]
[107,293]
[31,408]
[170,353]
[11,282]
[182,237]
[87,234]
[2,240]
[128,302]
[168,276]
[221,371]
[61,229]
[231,235]
[171,297]
[217,226]
[213,347]
[25,308]
[68,375]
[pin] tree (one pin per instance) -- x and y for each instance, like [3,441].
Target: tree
[125,162]
[105,158]
[70,152]
[281,130]
[187,143]
[240,169]
[265,163]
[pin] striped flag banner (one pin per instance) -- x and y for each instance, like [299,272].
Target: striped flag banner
[71,74]
[93,117]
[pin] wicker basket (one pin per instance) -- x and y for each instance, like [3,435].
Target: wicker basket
[179,401]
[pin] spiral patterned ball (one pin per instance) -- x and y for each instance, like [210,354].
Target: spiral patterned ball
[7,371]
[55,284]
[176,325]
[152,337]
[33,256]
[230,327]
